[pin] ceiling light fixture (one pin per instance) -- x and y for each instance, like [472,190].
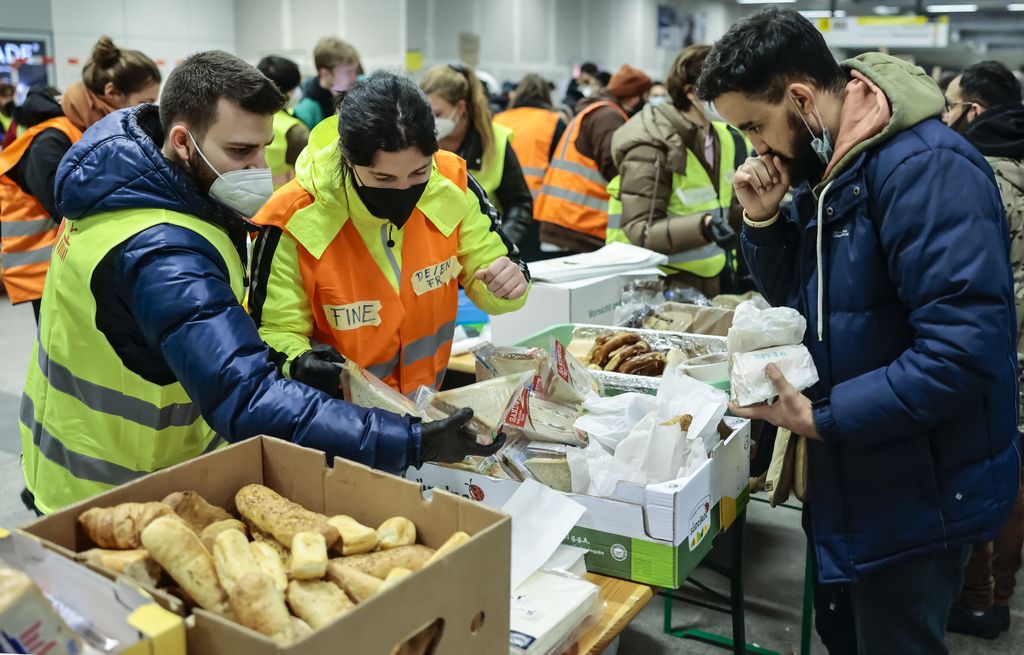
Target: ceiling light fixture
[1015,7]
[886,10]
[823,13]
[765,2]
[951,9]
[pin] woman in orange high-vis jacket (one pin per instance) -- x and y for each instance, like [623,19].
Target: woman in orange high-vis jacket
[111,79]
[364,251]
[536,129]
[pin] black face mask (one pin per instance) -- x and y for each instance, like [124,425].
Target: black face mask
[395,205]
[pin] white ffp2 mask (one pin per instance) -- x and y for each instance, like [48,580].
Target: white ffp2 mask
[243,191]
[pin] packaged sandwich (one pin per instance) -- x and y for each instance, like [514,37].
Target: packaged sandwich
[499,361]
[563,379]
[531,414]
[487,399]
[365,389]
[29,623]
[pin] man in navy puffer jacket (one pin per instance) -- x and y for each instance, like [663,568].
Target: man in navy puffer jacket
[896,251]
[145,356]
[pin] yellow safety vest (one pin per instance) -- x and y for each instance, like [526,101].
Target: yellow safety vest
[692,193]
[87,422]
[489,177]
[278,148]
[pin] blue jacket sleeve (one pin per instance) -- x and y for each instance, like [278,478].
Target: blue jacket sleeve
[945,242]
[178,289]
[771,254]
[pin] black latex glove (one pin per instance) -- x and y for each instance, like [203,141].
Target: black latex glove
[720,232]
[448,441]
[320,368]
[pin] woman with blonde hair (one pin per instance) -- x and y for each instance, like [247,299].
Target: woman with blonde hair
[463,121]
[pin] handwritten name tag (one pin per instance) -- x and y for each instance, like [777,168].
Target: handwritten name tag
[436,276]
[355,315]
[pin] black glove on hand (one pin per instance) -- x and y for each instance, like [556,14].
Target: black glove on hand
[720,232]
[448,441]
[319,368]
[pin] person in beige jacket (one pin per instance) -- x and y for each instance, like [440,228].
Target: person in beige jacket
[675,196]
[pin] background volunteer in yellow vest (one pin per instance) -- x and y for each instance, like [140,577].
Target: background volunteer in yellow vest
[145,357]
[572,206]
[464,126]
[536,129]
[112,78]
[290,134]
[366,248]
[674,191]
[6,108]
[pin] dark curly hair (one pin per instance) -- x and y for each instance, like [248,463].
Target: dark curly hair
[764,53]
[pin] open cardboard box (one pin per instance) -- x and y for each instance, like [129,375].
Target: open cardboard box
[655,534]
[467,589]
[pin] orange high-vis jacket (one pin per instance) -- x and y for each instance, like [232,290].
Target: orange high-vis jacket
[402,337]
[574,193]
[28,232]
[533,130]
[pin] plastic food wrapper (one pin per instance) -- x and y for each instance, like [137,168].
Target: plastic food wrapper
[564,379]
[756,326]
[360,387]
[487,399]
[498,361]
[639,298]
[29,623]
[674,440]
[750,385]
[545,463]
[539,419]
[609,420]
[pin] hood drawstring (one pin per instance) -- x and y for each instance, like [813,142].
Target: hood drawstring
[820,257]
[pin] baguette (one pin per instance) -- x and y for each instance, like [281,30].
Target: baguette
[276,515]
[232,559]
[178,550]
[210,532]
[270,563]
[260,607]
[358,585]
[309,556]
[379,564]
[317,602]
[453,542]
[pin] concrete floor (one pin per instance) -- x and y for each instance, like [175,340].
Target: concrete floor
[774,564]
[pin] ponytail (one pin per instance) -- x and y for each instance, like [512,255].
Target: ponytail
[455,82]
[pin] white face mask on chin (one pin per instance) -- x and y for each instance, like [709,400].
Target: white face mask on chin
[243,191]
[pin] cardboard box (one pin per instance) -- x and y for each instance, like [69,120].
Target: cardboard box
[592,300]
[469,584]
[114,609]
[655,534]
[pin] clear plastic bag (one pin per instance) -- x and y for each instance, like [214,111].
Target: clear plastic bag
[639,298]
[563,379]
[498,361]
[531,414]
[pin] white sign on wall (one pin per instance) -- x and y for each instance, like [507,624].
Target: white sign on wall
[891,31]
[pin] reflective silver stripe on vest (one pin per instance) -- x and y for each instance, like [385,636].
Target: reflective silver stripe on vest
[113,402]
[13,259]
[534,193]
[28,228]
[575,197]
[391,255]
[384,369]
[83,467]
[534,171]
[426,346]
[579,169]
[704,252]
[614,221]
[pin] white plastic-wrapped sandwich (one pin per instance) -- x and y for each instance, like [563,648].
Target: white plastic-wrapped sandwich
[487,399]
[564,379]
[749,383]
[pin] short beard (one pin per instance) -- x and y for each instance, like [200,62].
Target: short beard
[200,172]
[804,165]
